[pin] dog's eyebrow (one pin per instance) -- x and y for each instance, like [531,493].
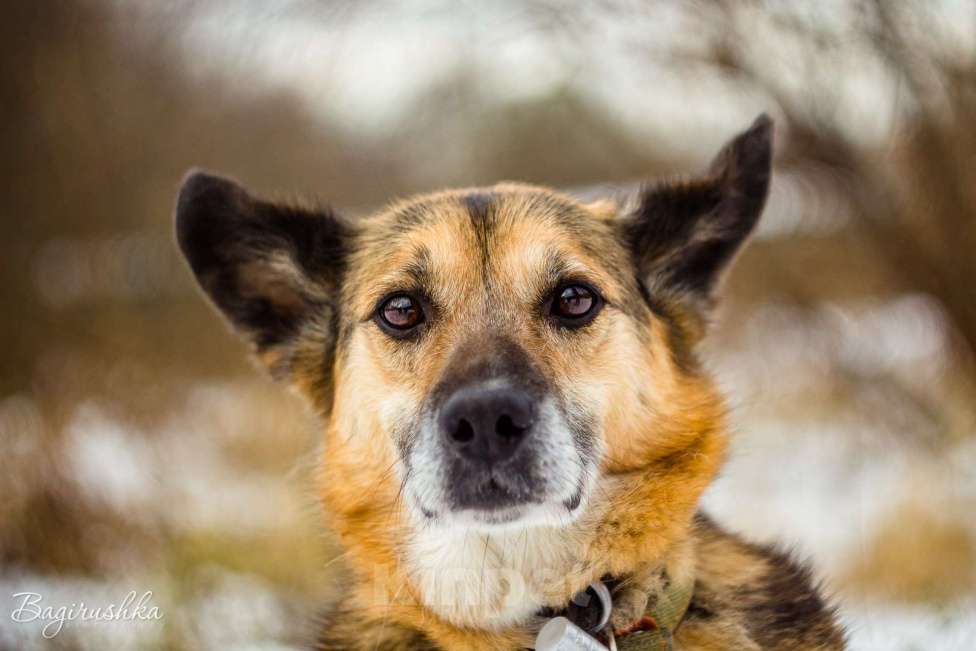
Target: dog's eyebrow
[416,276]
[557,267]
[419,268]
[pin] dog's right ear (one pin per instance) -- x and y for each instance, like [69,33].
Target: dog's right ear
[274,271]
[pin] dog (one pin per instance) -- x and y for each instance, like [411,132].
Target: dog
[513,408]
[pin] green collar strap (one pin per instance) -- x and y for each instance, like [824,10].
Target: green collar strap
[655,629]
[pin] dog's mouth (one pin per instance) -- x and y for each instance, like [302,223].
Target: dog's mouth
[545,486]
[508,512]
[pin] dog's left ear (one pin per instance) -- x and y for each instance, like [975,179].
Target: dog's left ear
[683,234]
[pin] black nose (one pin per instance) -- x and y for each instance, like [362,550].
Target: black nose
[487,422]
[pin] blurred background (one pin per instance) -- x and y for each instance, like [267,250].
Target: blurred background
[140,450]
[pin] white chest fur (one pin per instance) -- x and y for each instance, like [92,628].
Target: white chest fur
[493,580]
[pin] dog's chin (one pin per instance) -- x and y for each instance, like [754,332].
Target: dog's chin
[514,517]
[544,513]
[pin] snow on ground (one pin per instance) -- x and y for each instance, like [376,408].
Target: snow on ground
[823,493]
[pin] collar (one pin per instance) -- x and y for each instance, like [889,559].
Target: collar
[653,631]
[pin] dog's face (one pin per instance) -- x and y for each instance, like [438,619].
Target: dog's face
[501,349]
[489,328]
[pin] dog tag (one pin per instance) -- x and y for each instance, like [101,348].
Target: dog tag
[560,634]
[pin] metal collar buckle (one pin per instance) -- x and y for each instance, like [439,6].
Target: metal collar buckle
[561,634]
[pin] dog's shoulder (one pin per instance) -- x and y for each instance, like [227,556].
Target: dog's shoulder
[750,596]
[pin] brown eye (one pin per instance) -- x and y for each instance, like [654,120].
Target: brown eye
[575,305]
[400,313]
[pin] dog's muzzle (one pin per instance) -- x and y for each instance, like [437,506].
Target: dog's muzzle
[495,444]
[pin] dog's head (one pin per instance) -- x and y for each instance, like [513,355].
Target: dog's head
[487,355]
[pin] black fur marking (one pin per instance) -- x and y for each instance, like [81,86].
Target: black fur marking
[479,204]
[681,348]
[574,502]
[582,428]
[782,608]
[698,610]
[481,210]
[789,602]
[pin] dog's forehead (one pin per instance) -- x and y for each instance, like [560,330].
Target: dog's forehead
[490,211]
[452,243]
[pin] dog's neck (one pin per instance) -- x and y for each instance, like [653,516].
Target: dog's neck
[498,580]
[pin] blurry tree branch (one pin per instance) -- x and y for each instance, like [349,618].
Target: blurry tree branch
[913,197]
